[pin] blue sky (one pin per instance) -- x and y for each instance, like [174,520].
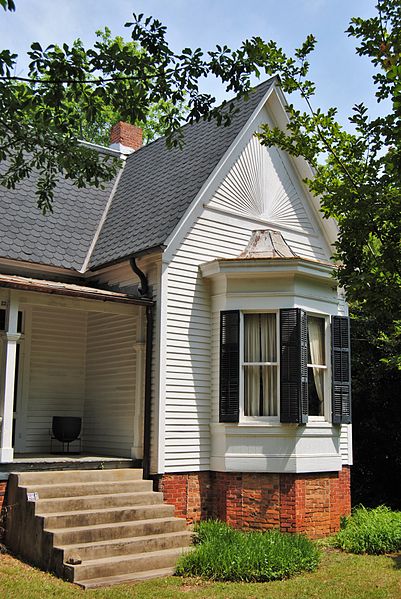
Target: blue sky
[343,78]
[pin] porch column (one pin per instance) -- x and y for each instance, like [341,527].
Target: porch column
[7,407]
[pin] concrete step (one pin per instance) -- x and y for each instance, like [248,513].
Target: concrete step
[112,531]
[106,516]
[130,545]
[79,476]
[110,521]
[87,502]
[76,489]
[109,581]
[123,564]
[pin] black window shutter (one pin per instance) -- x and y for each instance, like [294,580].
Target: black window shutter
[341,370]
[229,366]
[293,366]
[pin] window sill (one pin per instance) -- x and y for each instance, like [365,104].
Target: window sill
[317,422]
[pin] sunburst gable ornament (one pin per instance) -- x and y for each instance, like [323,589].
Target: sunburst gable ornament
[259,186]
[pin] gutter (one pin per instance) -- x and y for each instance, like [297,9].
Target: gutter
[147,422]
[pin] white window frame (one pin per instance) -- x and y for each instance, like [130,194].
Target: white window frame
[326,368]
[274,420]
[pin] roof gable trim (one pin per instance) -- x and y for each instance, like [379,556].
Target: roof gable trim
[204,194]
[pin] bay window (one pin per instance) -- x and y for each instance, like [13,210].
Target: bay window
[276,365]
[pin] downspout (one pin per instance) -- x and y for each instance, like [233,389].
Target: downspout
[144,292]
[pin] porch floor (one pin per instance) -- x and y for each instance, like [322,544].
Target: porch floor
[83,461]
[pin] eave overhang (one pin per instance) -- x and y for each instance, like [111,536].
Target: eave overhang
[70,290]
[267,267]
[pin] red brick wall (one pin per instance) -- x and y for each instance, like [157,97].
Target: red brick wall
[3,485]
[188,492]
[309,503]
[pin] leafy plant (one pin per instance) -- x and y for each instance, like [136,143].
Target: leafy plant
[371,531]
[226,554]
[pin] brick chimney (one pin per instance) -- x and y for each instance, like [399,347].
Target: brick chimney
[125,138]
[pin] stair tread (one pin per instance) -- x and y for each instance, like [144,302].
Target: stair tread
[71,471]
[124,540]
[81,484]
[114,524]
[125,578]
[97,497]
[105,510]
[174,551]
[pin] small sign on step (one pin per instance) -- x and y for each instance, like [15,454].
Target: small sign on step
[33,496]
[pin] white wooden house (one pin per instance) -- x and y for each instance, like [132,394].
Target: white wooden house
[229,374]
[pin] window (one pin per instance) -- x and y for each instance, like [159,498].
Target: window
[3,320]
[284,366]
[316,365]
[260,365]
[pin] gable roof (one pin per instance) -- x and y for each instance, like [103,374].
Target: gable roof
[153,192]
[158,184]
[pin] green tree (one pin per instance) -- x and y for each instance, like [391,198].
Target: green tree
[96,127]
[359,182]
[357,169]
[141,81]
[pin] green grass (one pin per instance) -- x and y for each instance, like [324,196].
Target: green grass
[372,531]
[225,554]
[340,576]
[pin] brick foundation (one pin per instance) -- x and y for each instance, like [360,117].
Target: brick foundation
[308,503]
[3,486]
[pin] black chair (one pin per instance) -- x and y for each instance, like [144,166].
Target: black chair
[66,429]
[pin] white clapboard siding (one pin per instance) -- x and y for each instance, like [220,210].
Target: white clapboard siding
[346,444]
[110,384]
[122,275]
[188,389]
[57,372]
[259,192]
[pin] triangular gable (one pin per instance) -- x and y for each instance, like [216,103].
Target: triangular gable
[260,186]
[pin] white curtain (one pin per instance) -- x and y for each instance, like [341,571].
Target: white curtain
[316,347]
[260,346]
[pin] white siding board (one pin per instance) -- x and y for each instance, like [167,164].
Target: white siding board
[346,444]
[57,372]
[110,384]
[123,276]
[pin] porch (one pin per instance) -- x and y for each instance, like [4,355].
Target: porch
[70,350]
[43,462]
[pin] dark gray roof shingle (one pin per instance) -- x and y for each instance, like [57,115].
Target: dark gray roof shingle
[62,238]
[158,185]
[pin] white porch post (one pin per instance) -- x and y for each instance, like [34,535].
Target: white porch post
[7,405]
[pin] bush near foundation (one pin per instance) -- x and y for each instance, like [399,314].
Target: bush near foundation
[371,531]
[225,554]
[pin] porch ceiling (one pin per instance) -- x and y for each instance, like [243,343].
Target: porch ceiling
[69,289]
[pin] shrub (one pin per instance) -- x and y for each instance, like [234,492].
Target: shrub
[373,531]
[226,554]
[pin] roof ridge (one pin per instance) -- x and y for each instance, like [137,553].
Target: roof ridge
[224,103]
